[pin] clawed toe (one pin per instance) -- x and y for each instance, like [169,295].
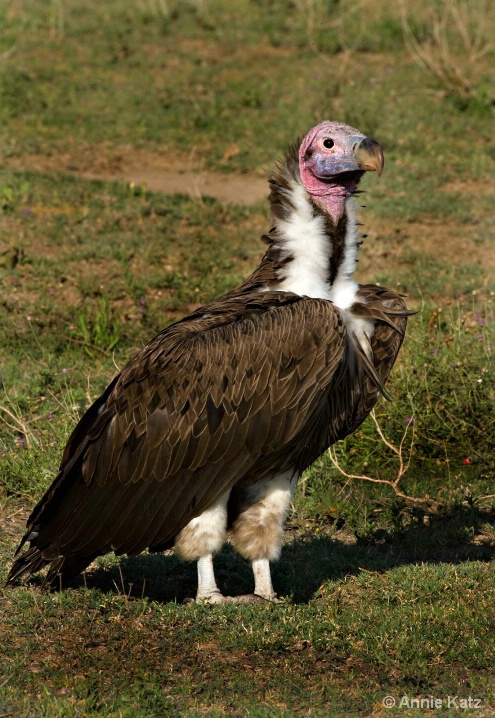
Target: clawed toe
[217,598]
[207,599]
[254,598]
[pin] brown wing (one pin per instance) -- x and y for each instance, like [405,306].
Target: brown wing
[198,410]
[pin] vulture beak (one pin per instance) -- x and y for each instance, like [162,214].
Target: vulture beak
[369,154]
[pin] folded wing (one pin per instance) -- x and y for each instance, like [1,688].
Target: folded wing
[205,405]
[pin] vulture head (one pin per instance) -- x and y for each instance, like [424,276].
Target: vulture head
[332,159]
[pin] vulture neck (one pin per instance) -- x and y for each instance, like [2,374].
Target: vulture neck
[309,253]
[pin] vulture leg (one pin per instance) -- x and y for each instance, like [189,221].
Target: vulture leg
[258,514]
[263,580]
[199,541]
[208,591]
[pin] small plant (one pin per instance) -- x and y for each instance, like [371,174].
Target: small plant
[98,329]
[11,418]
[461,36]
[11,195]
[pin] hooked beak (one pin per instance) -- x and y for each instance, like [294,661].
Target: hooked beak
[369,155]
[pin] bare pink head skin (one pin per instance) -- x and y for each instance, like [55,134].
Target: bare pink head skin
[332,159]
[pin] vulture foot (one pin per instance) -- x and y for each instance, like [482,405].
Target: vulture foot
[254,598]
[217,598]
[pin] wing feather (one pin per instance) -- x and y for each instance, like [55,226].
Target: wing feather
[385,343]
[206,405]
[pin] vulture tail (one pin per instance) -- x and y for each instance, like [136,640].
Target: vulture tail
[61,569]
[27,564]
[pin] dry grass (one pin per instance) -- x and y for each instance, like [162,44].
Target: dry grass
[460,37]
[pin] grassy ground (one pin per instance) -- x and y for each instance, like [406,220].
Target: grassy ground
[383,595]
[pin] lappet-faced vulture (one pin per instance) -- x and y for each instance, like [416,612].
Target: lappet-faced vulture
[211,424]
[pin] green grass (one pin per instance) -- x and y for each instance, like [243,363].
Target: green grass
[382,595]
[419,635]
[198,82]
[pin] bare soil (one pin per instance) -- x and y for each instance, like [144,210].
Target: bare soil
[166,172]
[388,241]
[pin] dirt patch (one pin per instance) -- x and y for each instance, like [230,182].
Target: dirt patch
[165,172]
[473,187]
[395,247]
[388,243]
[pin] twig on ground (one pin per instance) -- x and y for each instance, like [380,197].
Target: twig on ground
[402,469]
[18,426]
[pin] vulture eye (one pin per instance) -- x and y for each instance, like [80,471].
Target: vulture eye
[328,143]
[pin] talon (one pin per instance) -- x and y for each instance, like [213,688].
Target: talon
[254,598]
[218,598]
[271,599]
[212,598]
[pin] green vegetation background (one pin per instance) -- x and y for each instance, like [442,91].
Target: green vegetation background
[382,594]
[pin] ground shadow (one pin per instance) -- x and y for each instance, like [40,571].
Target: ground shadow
[307,561]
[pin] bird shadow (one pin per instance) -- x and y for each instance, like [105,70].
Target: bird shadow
[307,560]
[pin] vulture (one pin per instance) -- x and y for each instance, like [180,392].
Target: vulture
[208,428]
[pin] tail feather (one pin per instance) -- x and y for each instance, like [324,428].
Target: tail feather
[30,562]
[61,569]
